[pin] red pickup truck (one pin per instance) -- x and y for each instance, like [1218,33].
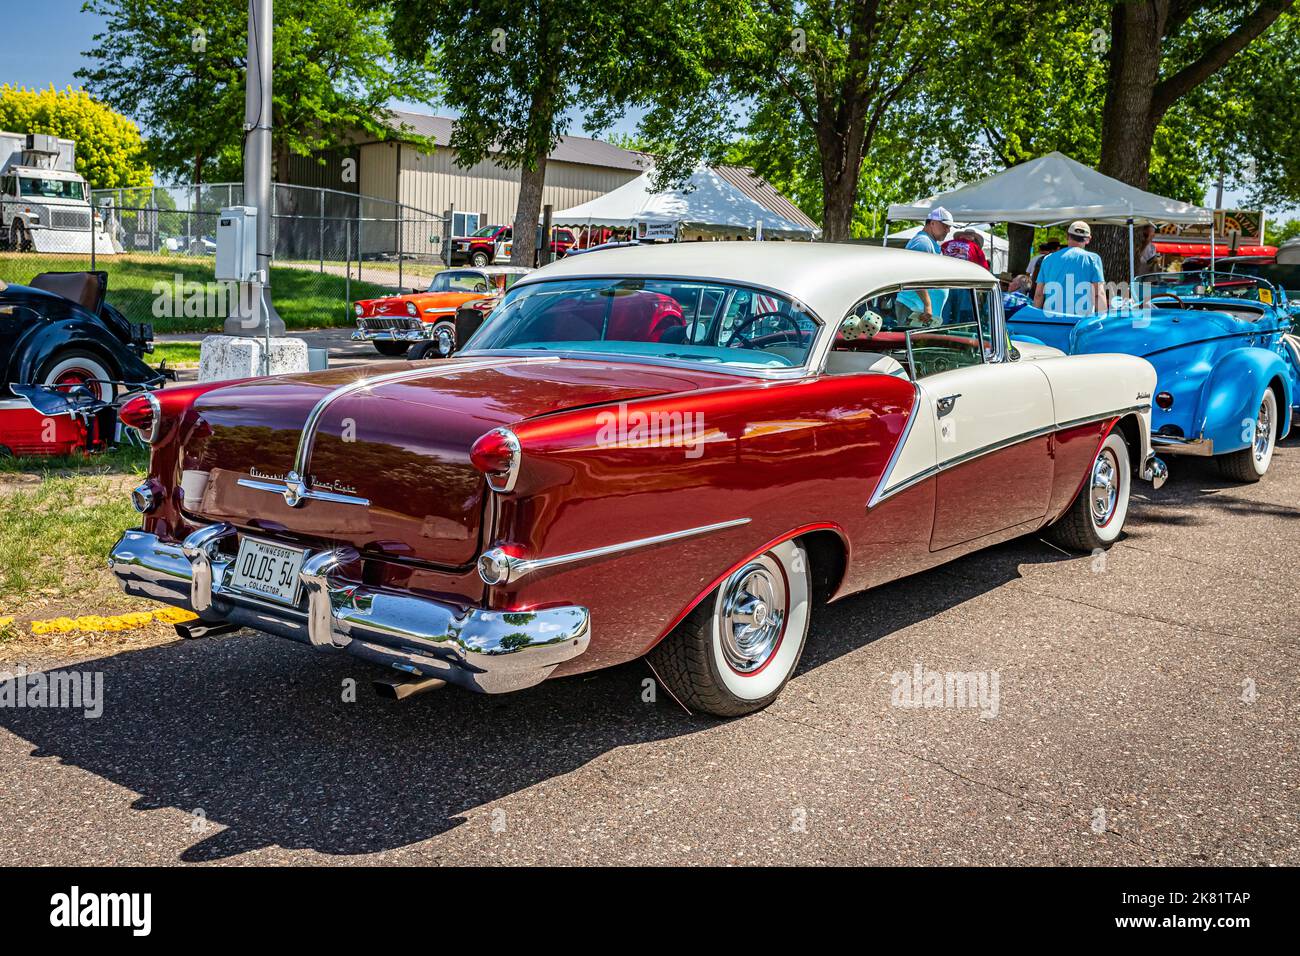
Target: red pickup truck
[480,248]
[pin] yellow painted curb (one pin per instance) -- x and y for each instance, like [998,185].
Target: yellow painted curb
[91,623]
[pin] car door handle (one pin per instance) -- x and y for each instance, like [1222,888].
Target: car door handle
[945,405]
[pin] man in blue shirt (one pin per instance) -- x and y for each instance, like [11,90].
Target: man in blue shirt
[920,308]
[1071,281]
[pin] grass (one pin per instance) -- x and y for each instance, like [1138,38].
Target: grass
[58,519]
[175,353]
[304,297]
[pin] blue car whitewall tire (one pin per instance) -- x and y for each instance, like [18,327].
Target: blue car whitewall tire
[1250,464]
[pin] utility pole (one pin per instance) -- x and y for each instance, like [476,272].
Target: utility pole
[254,342]
[263,321]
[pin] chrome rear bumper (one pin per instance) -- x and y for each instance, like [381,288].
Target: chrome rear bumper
[489,651]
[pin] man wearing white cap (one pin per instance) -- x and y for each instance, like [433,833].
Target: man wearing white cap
[924,307]
[1071,280]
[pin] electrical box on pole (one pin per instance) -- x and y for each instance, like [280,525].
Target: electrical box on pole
[237,244]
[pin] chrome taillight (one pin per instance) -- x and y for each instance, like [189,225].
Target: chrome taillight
[144,414]
[497,454]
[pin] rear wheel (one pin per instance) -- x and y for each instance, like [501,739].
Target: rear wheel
[1096,517]
[391,349]
[71,368]
[734,653]
[1250,464]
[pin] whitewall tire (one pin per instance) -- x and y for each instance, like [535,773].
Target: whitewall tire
[1096,517]
[1251,463]
[734,653]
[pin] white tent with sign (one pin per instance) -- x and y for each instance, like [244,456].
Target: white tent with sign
[1054,190]
[706,203]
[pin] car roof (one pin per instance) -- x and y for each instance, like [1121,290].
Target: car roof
[489,270]
[829,278]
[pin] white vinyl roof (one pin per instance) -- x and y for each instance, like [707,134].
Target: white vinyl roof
[1053,189]
[829,278]
[706,201]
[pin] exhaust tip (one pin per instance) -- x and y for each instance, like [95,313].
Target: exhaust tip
[400,688]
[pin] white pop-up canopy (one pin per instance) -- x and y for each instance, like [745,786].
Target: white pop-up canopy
[1050,190]
[706,202]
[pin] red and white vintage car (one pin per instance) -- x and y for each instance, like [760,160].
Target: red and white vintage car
[671,451]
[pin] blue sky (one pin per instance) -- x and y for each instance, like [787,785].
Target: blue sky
[48,37]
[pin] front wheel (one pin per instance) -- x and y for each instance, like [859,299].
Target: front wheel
[734,653]
[1249,464]
[479,259]
[1096,517]
[391,349]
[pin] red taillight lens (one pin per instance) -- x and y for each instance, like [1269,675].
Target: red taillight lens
[144,414]
[497,455]
[1165,400]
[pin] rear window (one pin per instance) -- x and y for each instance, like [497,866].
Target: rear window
[705,321]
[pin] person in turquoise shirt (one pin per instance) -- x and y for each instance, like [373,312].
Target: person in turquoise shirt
[920,308]
[1072,280]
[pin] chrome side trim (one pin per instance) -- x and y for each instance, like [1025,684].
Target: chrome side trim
[515,568]
[986,450]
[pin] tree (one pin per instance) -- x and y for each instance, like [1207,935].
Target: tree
[516,71]
[1161,51]
[110,154]
[179,67]
[835,73]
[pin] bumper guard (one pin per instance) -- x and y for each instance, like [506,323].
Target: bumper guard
[489,651]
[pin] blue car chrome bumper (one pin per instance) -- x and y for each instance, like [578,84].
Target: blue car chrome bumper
[489,651]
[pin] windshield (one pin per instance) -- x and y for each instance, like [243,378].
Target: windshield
[459,282]
[705,321]
[50,188]
[1220,285]
[484,232]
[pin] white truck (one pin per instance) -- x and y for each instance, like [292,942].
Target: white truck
[45,204]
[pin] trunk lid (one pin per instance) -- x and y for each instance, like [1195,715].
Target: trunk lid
[400,440]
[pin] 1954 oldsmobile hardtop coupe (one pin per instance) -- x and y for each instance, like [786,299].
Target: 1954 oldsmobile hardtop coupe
[1228,371]
[669,451]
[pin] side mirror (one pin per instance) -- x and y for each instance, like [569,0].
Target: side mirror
[1013,353]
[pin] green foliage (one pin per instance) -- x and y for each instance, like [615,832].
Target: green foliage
[109,151]
[1276,234]
[179,66]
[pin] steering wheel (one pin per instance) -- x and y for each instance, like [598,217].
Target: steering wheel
[1166,295]
[738,340]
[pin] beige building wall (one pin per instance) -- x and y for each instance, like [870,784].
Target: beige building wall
[433,182]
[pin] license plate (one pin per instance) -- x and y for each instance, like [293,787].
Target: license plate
[267,570]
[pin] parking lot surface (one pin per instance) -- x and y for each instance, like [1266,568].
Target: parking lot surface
[1146,713]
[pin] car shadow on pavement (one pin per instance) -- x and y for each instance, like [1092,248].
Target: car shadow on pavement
[253,732]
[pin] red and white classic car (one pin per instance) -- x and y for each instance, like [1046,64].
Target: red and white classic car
[670,451]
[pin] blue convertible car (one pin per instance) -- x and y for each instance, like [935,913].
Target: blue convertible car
[1228,372]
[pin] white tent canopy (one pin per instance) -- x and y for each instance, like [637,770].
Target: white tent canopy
[995,247]
[706,202]
[1050,190]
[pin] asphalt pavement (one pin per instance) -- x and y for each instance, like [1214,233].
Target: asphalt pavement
[1146,713]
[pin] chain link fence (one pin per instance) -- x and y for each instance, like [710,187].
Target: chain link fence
[158,247]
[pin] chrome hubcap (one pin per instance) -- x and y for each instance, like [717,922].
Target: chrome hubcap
[753,614]
[444,342]
[1263,432]
[1104,490]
